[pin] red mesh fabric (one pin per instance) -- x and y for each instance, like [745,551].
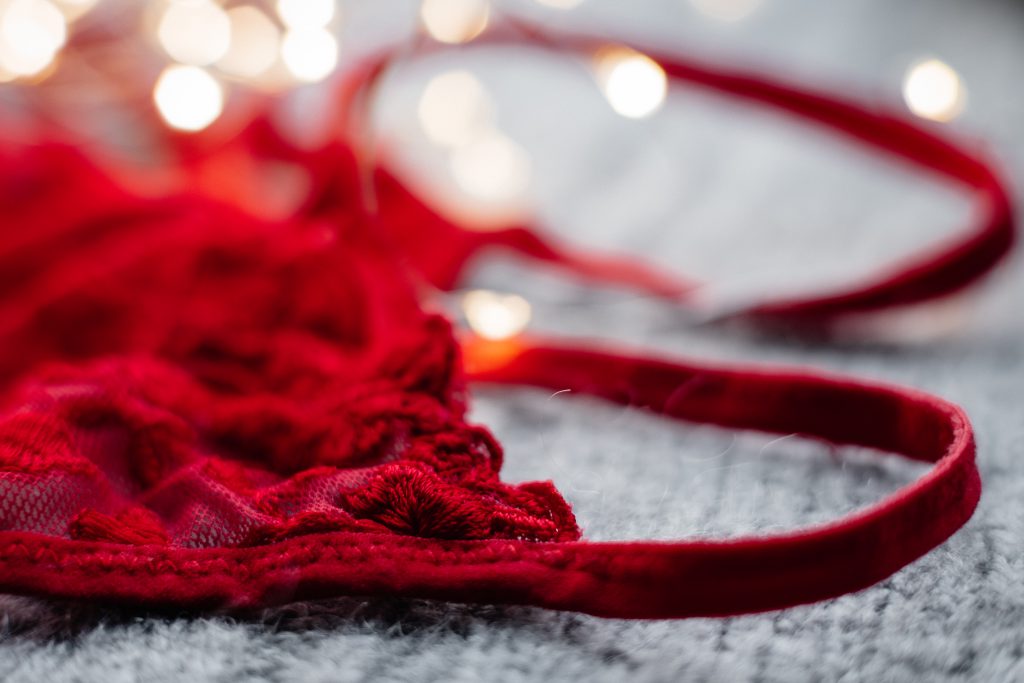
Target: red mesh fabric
[177,371]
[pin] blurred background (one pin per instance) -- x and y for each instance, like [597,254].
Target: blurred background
[598,150]
[603,153]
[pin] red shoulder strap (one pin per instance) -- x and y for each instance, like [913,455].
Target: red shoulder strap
[703,578]
[944,270]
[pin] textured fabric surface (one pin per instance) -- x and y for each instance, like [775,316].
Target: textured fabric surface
[953,615]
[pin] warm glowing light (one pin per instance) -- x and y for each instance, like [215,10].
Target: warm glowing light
[496,316]
[455,109]
[301,14]
[310,53]
[31,34]
[454,21]
[726,10]
[493,168]
[254,43]
[933,90]
[634,84]
[561,4]
[195,32]
[188,97]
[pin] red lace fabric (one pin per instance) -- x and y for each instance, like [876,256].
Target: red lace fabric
[178,372]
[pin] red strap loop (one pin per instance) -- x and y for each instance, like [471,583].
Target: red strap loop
[706,578]
[944,270]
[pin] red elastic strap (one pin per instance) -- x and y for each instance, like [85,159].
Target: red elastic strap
[612,579]
[706,578]
[937,272]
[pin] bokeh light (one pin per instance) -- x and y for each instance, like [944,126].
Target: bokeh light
[634,84]
[304,14]
[310,54]
[31,34]
[496,316]
[933,90]
[188,98]
[455,109]
[255,41]
[454,21]
[194,32]
[492,168]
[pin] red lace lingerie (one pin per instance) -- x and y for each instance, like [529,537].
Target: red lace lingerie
[204,407]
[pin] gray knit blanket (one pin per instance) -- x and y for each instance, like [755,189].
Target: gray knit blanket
[750,200]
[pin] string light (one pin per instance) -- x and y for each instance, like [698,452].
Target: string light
[304,14]
[496,316]
[492,168]
[454,21]
[195,32]
[634,84]
[254,43]
[933,90]
[188,98]
[726,10]
[31,34]
[310,54]
[455,109]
